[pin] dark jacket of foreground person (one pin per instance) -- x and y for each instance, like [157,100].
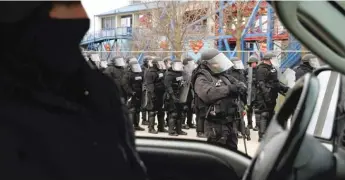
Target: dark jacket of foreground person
[59,119]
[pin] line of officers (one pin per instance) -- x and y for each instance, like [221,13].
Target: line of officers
[217,90]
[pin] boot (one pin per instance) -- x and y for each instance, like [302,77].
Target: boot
[263,124]
[200,123]
[200,135]
[250,121]
[250,118]
[257,122]
[179,128]
[185,126]
[190,119]
[166,120]
[144,118]
[152,123]
[161,123]
[239,135]
[136,122]
[171,125]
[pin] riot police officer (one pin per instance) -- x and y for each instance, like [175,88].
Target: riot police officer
[173,83]
[188,67]
[268,88]
[251,78]
[116,69]
[199,118]
[218,93]
[154,81]
[306,66]
[103,65]
[167,61]
[237,71]
[132,84]
[145,68]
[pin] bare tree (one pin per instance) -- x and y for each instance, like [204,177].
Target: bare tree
[236,16]
[176,21]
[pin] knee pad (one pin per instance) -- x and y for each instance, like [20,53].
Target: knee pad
[132,110]
[265,115]
[152,113]
[173,115]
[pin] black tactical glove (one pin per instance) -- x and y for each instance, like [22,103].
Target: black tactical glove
[232,88]
[175,99]
[242,88]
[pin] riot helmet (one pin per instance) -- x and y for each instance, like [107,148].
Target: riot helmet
[271,58]
[237,63]
[167,62]
[134,65]
[103,64]
[177,65]
[216,61]
[118,61]
[189,63]
[312,60]
[146,60]
[158,63]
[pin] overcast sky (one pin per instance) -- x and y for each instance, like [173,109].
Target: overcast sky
[94,7]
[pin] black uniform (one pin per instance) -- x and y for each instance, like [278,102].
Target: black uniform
[217,102]
[60,119]
[239,74]
[200,120]
[115,73]
[154,80]
[132,84]
[267,92]
[253,101]
[302,69]
[173,83]
[145,68]
[188,109]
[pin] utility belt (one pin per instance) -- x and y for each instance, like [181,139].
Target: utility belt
[221,111]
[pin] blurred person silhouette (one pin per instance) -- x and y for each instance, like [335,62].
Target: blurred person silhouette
[59,118]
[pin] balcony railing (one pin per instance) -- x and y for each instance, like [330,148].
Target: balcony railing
[120,32]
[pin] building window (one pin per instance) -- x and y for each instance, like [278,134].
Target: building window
[108,23]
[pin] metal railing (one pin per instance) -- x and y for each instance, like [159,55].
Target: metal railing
[120,32]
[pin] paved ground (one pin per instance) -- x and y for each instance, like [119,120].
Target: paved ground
[251,145]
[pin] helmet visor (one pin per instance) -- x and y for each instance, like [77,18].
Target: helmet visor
[161,65]
[120,62]
[136,68]
[238,64]
[219,63]
[314,62]
[177,66]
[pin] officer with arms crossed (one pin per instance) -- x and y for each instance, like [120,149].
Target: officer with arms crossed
[132,84]
[154,80]
[173,83]
[217,93]
[267,92]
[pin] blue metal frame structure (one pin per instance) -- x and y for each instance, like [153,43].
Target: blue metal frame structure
[290,59]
